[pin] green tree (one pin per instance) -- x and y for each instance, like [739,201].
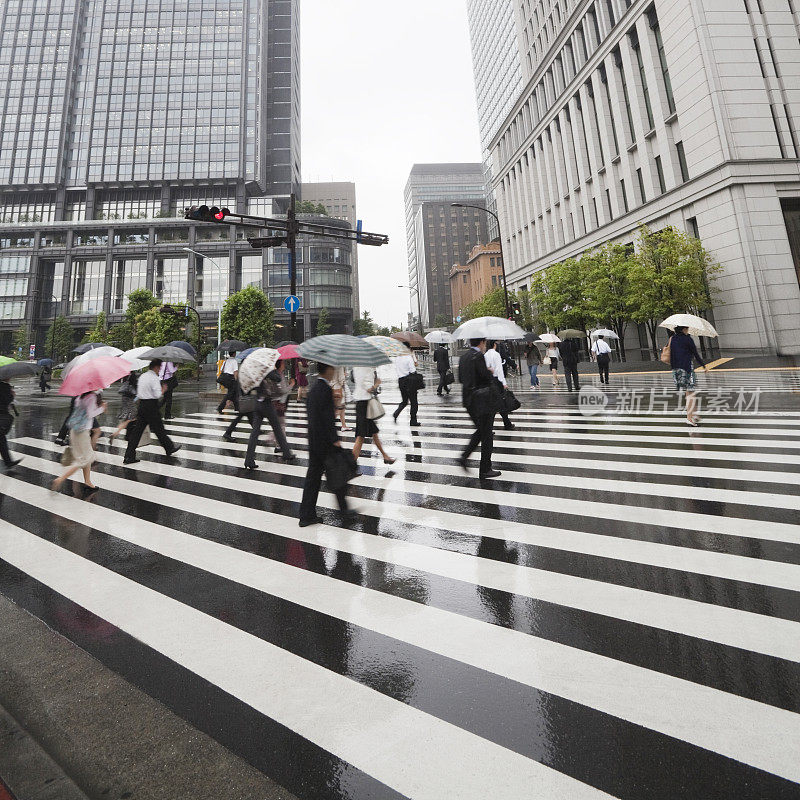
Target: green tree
[323,322]
[248,315]
[59,340]
[121,335]
[139,301]
[529,316]
[364,326]
[20,343]
[155,329]
[100,331]
[308,207]
[441,321]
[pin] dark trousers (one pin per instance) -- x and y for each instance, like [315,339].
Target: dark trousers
[442,385]
[166,398]
[407,396]
[43,384]
[483,436]
[571,374]
[264,408]
[6,421]
[148,415]
[229,395]
[603,361]
[316,469]
[502,410]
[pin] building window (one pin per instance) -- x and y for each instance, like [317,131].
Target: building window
[642,193]
[660,170]
[692,227]
[643,79]
[132,237]
[682,161]
[662,58]
[604,81]
[86,287]
[624,195]
[90,239]
[129,274]
[249,271]
[211,282]
[626,96]
[172,279]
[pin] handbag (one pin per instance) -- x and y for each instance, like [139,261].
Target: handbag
[375,409]
[666,353]
[510,401]
[226,379]
[547,361]
[66,457]
[415,382]
[449,378]
[247,403]
[485,400]
[340,468]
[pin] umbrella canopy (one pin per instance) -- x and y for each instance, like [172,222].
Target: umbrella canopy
[697,325]
[167,353]
[411,338]
[184,346]
[99,373]
[45,362]
[99,352]
[257,366]
[284,344]
[439,337]
[16,369]
[339,350]
[133,357]
[85,348]
[388,346]
[288,352]
[489,328]
[531,337]
[242,354]
[606,333]
[571,333]
[549,338]
[232,346]
[6,360]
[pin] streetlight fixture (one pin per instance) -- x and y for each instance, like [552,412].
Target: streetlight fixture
[500,240]
[219,291]
[419,306]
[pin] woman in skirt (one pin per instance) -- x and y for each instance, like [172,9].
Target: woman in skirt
[80,424]
[367,382]
[129,409]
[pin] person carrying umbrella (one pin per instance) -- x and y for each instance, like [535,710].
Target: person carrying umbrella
[87,408]
[682,350]
[227,378]
[494,362]
[6,421]
[602,352]
[367,384]
[533,358]
[442,359]
[149,391]
[570,355]
[44,377]
[128,410]
[409,380]
[168,375]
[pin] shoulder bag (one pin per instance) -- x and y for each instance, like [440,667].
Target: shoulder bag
[666,353]
[247,403]
[375,409]
[510,401]
[547,361]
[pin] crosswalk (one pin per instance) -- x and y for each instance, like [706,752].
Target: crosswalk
[616,616]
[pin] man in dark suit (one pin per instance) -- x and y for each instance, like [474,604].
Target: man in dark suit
[322,437]
[442,359]
[475,375]
[570,355]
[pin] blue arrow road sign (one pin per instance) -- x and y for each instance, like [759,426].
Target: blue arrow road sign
[292,303]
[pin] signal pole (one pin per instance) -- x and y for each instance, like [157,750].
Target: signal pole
[292,229]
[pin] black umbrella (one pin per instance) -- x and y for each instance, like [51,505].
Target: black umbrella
[530,337]
[17,369]
[174,354]
[45,362]
[232,345]
[284,344]
[184,346]
[85,348]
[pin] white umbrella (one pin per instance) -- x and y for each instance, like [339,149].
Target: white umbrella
[605,332]
[697,325]
[391,348]
[549,338]
[256,367]
[132,356]
[98,352]
[489,328]
[438,337]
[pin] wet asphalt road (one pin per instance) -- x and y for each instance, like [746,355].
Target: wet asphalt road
[617,615]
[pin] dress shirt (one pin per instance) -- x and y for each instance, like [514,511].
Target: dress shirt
[405,365]
[494,361]
[230,367]
[601,347]
[365,380]
[149,386]
[167,370]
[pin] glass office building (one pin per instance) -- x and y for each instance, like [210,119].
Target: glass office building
[114,111]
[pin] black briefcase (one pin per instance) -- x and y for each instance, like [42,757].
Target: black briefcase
[449,378]
[340,468]
[510,401]
[485,400]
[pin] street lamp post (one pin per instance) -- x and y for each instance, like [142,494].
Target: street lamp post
[219,291]
[410,309]
[500,239]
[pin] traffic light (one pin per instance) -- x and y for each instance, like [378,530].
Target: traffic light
[220,213]
[267,241]
[206,214]
[516,308]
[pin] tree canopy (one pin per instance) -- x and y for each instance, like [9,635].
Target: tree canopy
[323,323]
[364,326]
[309,207]
[248,315]
[59,340]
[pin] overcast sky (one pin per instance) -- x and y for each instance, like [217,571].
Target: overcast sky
[385,85]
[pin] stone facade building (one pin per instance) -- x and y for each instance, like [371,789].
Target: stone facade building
[480,273]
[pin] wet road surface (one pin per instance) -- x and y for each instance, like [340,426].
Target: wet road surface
[616,616]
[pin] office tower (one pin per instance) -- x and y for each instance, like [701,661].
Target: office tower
[678,113]
[454,237]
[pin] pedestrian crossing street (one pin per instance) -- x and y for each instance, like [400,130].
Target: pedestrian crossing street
[616,616]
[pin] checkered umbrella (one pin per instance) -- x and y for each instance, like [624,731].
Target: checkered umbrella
[388,346]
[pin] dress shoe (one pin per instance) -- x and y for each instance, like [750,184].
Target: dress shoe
[131,461]
[358,473]
[60,442]
[304,523]
[495,473]
[14,462]
[290,459]
[174,450]
[251,467]
[226,437]
[510,426]
[462,462]
[389,460]
[414,424]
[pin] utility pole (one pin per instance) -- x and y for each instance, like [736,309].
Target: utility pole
[292,229]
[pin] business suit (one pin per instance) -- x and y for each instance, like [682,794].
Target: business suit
[322,437]
[569,358]
[474,375]
[442,359]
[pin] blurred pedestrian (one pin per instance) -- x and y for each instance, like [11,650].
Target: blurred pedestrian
[227,379]
[168,375]
[480,398]
[410,382]
[441,358]
[81,453]
[570,356]
[602,352]
[44,377]
[271,387]
[494,362]
[682,350]
[128,409]
[533,358]
[509,362]
[6,421]
[301,378]
[367,384]
[339,395]
[149,391]
[551,360]
[322,438]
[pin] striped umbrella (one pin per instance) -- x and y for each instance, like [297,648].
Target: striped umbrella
[339,350]
[387,345]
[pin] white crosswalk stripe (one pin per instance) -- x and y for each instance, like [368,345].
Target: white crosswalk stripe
[624,581]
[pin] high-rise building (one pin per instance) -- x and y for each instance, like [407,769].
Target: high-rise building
[115,111]
[498,75]
[442,184]
[680,113]
[339,200]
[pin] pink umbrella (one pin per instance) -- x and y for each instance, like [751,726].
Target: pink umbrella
[288,352]
[99,373]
